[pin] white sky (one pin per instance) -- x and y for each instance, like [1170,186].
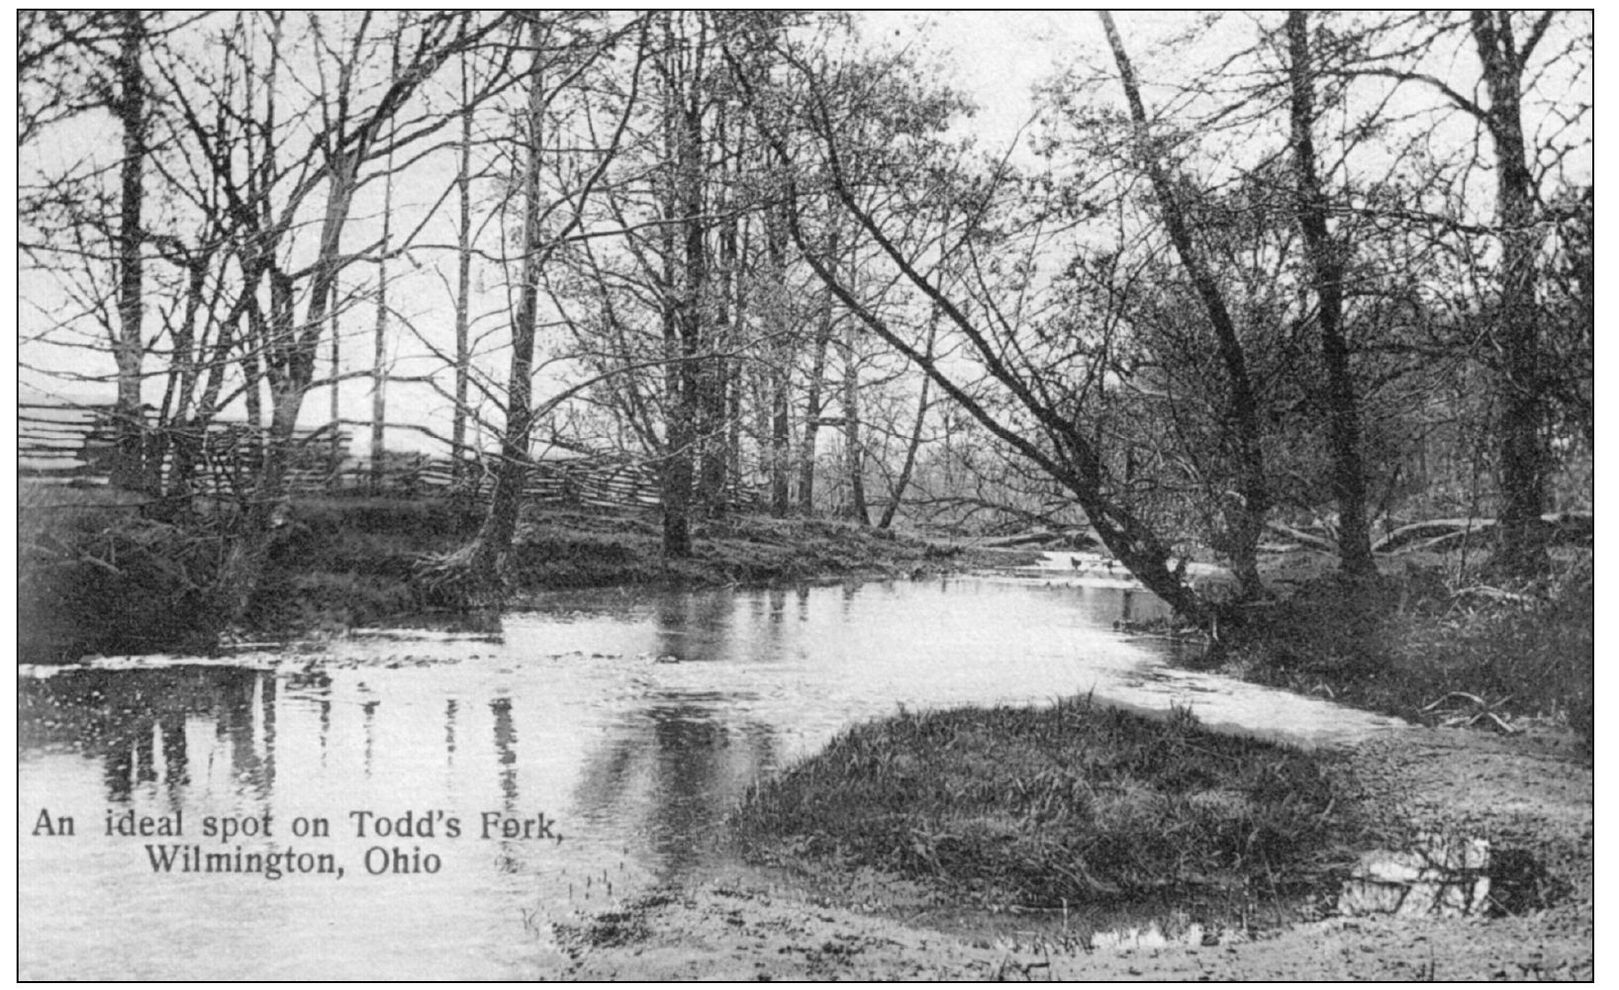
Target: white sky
[995,57]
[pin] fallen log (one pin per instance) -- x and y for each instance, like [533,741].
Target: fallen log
[1562,526]
[1311,540]
[1020,539]
[1430,531]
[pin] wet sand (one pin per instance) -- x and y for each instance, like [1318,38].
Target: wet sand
[1529,793]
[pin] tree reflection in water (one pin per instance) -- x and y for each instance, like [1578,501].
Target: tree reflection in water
[673,768]
[506,774]
[134,722]
[673,764]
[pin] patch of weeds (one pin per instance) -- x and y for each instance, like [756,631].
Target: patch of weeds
[322,600]
[1400,645]
[611,929]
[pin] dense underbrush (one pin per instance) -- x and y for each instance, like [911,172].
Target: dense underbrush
[1437,645]
[96,578]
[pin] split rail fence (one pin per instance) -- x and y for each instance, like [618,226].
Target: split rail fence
[74,446]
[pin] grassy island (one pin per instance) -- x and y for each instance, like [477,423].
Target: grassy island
[1075,805]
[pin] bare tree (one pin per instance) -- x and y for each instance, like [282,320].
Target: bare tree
[270,204]
[1327,268]
[1512,66]
[1014,396]
[463,276]
[1252,500]
[485,561]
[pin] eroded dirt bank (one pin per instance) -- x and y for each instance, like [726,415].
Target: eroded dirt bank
[1530,795]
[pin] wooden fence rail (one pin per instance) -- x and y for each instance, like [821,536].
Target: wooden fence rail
[74,445]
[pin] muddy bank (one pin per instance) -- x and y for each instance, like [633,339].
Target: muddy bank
[1529,794]
[104,580]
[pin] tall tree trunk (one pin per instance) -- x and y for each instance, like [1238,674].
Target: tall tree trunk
[686,288]
[1327,267]
[463,281]
[781,439]
[716,379]
[379,357]
[675,466]
[853,454]
[1245,512]
[379,354]
[253,374]
[179,395]
[187,370]
[777,376]
[335,456]
[127,344]
[494,541]
[1522,454]
[734,247]
[812,399]
[691,312]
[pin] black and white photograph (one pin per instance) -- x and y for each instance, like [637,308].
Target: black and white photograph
[735,495]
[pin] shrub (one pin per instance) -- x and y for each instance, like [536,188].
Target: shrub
[108,580]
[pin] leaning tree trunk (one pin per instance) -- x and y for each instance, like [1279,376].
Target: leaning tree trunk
[915,443]
[1071,459]
[1245,513]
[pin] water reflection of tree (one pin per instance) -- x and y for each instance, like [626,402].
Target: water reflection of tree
[670,771]
[134,721]
[672,767]
[695,626]
[767,614]
[1103,604]
[506,771]
[451,707]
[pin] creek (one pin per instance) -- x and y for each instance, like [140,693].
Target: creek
[586,749]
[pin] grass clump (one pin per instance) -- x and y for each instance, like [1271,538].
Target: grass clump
[1076,803]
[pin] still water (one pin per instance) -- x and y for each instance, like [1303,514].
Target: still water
[585,750]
